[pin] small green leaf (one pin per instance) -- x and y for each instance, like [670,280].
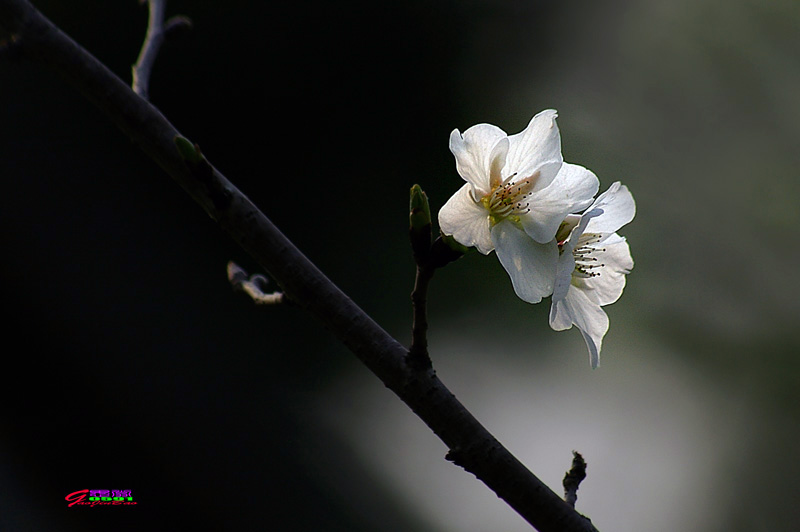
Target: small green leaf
[445,250]
[454,245]
[189,152]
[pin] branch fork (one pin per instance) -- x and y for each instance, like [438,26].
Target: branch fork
[157,32]
[429,256]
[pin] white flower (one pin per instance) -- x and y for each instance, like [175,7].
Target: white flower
[518,191]
[592,265]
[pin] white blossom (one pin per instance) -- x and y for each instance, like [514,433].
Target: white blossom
[517,193]
[592,265]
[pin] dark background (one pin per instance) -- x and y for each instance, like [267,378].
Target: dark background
[131,364]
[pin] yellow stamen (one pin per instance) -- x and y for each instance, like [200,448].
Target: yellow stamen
[509,197]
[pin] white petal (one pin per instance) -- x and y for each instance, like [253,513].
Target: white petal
[618,209]
[608,286]
[571,191]
[466,221]
[474,152]
[579,229]
[566,265]
[571,221]
[592,321]
[560,319]
[537,147]
[497,160]
[531,265]
[594,345]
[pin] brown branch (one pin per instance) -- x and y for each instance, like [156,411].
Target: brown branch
[419,232]
[471,445]
[573,478]
[418,355]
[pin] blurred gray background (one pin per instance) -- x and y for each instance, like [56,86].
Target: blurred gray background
[130,364]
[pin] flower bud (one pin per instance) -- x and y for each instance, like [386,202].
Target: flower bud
[419,210]
[189,152]
[419,218]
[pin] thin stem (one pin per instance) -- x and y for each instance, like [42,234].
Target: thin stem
[152,43]
[573,478]
[253,285]
[418,353]
[471,445]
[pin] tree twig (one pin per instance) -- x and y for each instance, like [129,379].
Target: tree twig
[470,444]
[573,478]
[418,355]
[254,285]
[157,31]
[419,232]
[428,256]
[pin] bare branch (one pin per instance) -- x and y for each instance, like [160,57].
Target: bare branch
[418,353]
[157,31]
[419,232]
[470,444]
[573,478]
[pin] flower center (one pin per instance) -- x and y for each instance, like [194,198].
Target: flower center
[586,263]
[509,198]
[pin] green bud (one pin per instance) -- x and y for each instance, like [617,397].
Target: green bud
[419,220]
[189,152]
[419,210]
